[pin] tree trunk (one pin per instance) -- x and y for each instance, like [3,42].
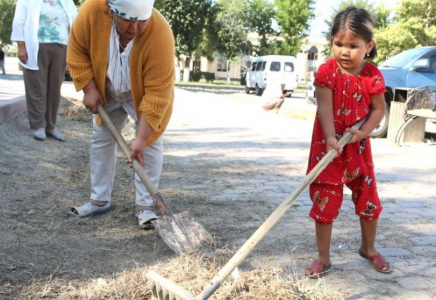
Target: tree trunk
[187,69]
[228,71]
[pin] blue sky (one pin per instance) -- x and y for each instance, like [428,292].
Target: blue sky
[323,10]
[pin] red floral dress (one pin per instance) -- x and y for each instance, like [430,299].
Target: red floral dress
[354,167]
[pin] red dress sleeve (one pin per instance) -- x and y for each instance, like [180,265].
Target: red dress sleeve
[376,83]
[324,76]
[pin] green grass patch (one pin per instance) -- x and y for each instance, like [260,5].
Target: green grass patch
[216,83]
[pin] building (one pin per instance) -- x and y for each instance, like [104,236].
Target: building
[308,61]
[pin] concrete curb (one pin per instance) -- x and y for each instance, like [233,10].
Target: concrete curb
[9,109]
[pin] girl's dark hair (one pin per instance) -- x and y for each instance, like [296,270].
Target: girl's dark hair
[359,21]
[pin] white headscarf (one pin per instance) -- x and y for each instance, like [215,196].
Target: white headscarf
[132,9]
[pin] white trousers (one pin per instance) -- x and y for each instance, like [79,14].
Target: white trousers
[103,158]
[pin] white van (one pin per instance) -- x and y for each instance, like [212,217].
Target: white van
[268,68]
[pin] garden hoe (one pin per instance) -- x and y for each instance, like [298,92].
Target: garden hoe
[164,289]
[180,232]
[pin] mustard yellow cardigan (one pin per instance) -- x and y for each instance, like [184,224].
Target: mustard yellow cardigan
[151,63]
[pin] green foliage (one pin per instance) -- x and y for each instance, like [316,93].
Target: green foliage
[187,19]
[78,2]
[293,17]
[208,44]
[209,76]
[231,27]
[7,8]
[260,14]
[415,26]
[195,76]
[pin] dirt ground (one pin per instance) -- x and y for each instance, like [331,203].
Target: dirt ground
[45,254]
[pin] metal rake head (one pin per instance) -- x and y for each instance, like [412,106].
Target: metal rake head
[164,289]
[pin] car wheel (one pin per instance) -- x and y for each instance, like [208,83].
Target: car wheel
[259,91]
[247,90]
[382,129]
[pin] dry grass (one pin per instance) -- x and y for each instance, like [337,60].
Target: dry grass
[74,110]
[50,256]
[192,272]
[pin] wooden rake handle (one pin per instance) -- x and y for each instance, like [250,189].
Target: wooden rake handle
[136,165]
[272,220]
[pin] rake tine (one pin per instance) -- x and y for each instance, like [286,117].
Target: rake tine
[163,289]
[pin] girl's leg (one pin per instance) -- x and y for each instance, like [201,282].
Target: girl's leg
[369,230]
[368,208]
[367,249]
[323,238]
[327,200]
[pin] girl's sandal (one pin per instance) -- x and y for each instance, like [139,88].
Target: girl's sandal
[378,262]
[317,269]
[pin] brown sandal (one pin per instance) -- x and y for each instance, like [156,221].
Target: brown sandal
[317,269]
[378,262]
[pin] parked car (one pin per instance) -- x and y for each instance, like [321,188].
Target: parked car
[267,68]
[408,69]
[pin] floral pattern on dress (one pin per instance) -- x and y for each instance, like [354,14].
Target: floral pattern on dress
[50,25]
[351,101]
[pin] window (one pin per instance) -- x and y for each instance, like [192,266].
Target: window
[289,67]
[253,66]
[275,66]
[196,65]
[432,63]
[259,66]
[263,66]
[221,64]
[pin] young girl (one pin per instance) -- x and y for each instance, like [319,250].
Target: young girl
[348,89]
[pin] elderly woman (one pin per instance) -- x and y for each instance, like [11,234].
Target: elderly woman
[41,29]
[121,54]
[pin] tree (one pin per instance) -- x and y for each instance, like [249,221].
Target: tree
[232,28]
[415,26]
[293,17]
[7,9]
[187,19]
[260,14]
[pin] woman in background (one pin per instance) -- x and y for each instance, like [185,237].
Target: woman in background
[41,29]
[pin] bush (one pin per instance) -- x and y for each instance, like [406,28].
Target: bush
[195,76]
[209,76]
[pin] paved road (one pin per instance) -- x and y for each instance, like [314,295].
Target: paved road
[238,133]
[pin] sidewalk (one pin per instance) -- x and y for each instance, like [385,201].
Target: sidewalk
[264,157]
[12,100]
